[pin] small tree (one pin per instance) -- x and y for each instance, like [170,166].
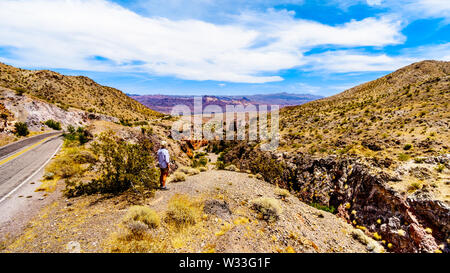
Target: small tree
[21,129]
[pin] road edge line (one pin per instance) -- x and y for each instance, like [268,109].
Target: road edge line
[31,176]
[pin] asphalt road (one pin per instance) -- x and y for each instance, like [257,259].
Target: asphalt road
[21,161]
[16,146]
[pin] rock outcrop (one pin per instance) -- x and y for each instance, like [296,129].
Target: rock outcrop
[361,196]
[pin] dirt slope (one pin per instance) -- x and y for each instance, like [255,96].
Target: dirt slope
[92,221]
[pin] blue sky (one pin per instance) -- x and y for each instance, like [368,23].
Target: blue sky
[232,47]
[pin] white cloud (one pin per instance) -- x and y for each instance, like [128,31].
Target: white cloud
[345,61]
[352,61]
[374,2]
[430,8]
[69,34]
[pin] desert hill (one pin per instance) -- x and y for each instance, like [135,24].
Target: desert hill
[74,91]
[403,114]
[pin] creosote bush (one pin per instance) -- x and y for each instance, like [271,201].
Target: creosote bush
[144,215]
[268,208]
[78,136]
[21,129]
[53,124]
[121,166]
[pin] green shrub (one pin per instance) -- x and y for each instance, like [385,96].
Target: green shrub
[268,208]
[407,147]
[330,209]
[53,124]
[199,161]
[80,135]
[220,165]
[121,166]
[21,129]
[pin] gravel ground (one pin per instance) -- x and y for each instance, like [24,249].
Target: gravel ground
[300,227]
[90,221]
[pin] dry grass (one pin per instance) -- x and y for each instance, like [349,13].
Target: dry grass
[144,215]
[182,212]
[70,162]
[178,177]
[282,193]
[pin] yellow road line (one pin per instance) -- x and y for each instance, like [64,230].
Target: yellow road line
[24,151]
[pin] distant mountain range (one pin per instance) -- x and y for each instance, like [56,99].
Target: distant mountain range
[164,103]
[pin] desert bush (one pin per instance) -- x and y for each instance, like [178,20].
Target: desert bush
[121,166]
[403,157]
[193,171]
[283,193]
[220,165]
[137,230]
[202,169]
[407,147]
[232,168]
[199,160]
[21,129]
[268,208]
[20,91]
[53,124]
[178,177]
[185,170]
[330,209]
[259,176]
[440,168]
[182,212]
[144,215]
[79,136]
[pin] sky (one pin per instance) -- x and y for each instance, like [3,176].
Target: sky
[224,47]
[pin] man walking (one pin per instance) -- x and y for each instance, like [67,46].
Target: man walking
[164,161]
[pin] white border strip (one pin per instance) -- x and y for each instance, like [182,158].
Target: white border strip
[31,176]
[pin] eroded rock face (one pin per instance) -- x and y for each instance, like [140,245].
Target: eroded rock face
[358,194]
[36,112]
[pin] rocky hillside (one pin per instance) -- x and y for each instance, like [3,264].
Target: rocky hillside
[376,155]
[164,103]
[78,92]
[402,115]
